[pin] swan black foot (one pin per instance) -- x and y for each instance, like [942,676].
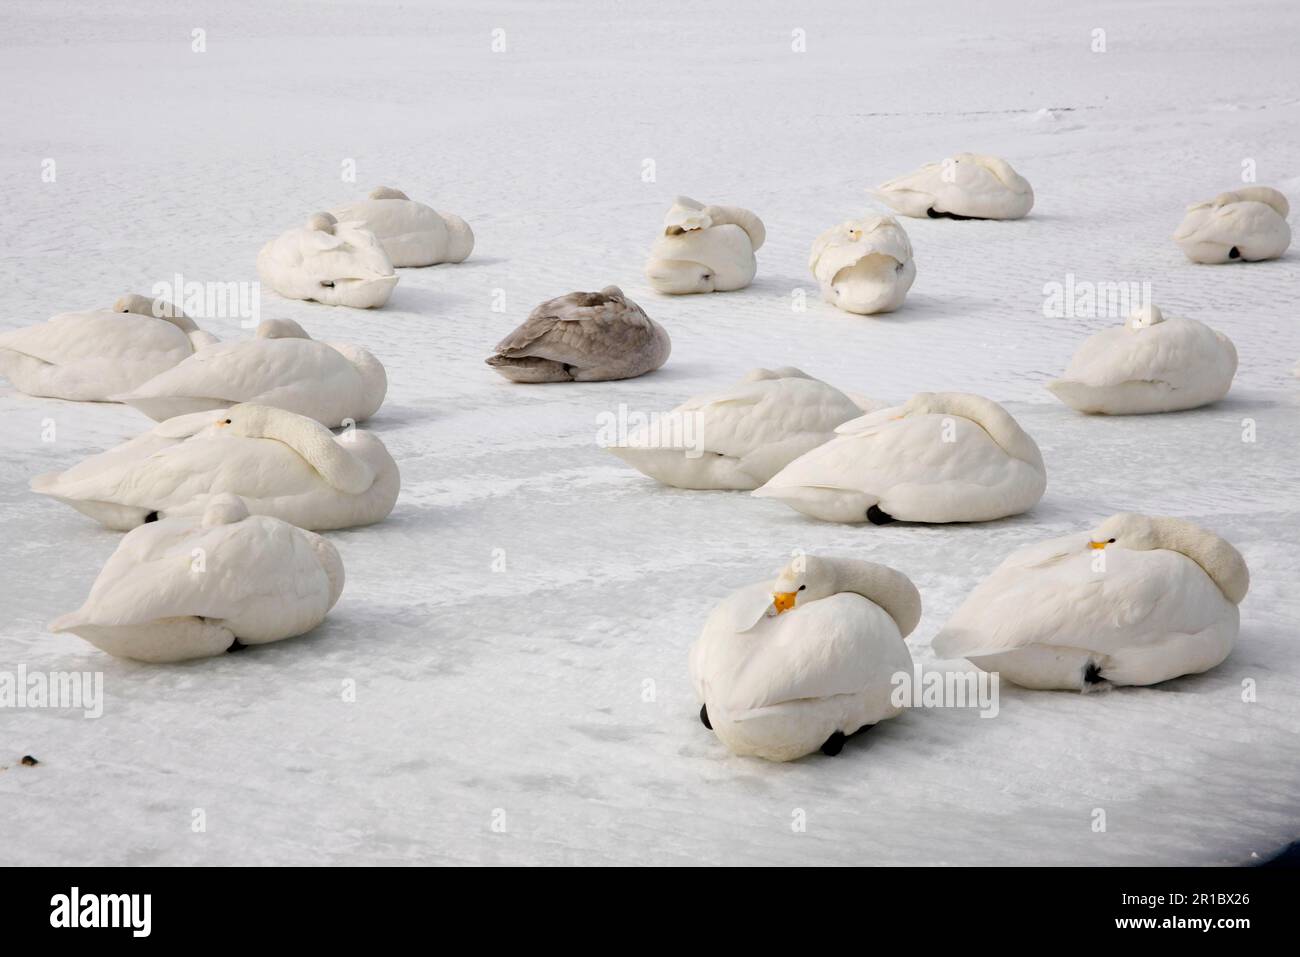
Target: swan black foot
[236,645]
[935,214]
[1234,253]
[877,517]
[834,744]
[704,716]
[151,517]
[1092,674]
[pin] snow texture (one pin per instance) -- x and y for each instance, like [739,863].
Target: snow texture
[551,698]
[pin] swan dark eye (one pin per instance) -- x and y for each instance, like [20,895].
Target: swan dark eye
[227,422]
[1110,541]
[802,587]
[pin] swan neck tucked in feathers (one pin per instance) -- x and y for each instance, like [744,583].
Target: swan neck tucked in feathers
[891,590]
[317,445]
[995,420]
[1220,560]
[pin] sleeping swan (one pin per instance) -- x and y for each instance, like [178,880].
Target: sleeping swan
[739,438]
[1138,601]
[583,337]
[280,464]
[864,266]
[1150,364]
[411,233]
[339,264]
[942,457]
[1244,225]
[90,356]
[790,667]
[281,366]
[705,249]
[965,186]
[194,587]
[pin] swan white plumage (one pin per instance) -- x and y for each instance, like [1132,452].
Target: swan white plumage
[1245,225]
[1150,364]
[864,266]
[284,465]
[193,587]
[740,437]
[411,233]
[1138,601]
[705,249]
[786,668]
[964,186]
[282,365]
[93,355]
[941,457]
[339,264]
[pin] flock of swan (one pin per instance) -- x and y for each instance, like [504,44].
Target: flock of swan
[223,498]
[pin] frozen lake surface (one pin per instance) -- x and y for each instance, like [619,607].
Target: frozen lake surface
[517,631]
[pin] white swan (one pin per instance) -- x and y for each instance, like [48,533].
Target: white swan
[942,457]
[194,587]
[741,437]
[789,667]
[1150,364]
[583,337]
[90,356]
[284,465]
[411,233]
[965,186]
[705,249]
[1246,225]
[339,264]
[1138,601]
[864,266]
[281,366]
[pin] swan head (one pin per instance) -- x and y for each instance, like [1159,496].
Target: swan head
[387,192]
[1144,316]
[250,420]
[323,222]
[1217,558]
[1126,530]
[686,215]
[280,329]
[224,509]
[798,583]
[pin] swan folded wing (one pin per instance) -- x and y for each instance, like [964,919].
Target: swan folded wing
[816,651]
[235,372]
[908,453]
[164,435]
[179,476]
[155,576]
[1141,598]
[798,412]
[1181,352]
[97,335]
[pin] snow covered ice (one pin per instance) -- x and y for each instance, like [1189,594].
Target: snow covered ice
[516,631]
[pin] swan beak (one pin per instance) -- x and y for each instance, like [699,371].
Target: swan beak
[221,423]
[1097,545]
[783,601]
